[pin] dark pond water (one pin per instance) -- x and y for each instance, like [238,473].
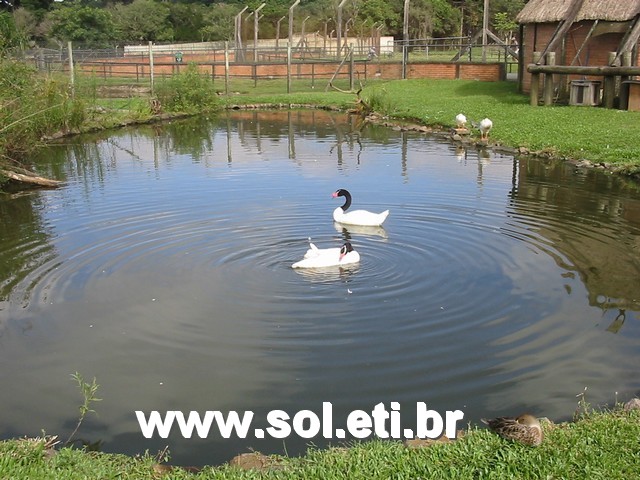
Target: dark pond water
[163,268]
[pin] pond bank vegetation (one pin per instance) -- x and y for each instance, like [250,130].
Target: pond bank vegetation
[598,444]
[38,109]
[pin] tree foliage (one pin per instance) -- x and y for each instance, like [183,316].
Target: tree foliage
[93,27]
[97,22]
[142,21]
[10,37]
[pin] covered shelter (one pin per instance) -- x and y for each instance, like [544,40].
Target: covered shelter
[578,33]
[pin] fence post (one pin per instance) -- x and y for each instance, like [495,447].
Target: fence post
[151,66]
[351,68]
[624,87]
[288,67]
[535,82]
[609,87]
[548,80]
[72,76]
[226,68]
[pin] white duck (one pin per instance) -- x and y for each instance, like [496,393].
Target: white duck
[485,126]
[356,217]
[328,257]
[461,120]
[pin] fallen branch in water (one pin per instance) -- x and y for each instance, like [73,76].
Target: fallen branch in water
[30,178]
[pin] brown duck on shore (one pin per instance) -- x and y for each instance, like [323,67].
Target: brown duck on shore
[524,429]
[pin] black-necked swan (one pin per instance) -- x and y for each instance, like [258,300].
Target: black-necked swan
[356,217]
[328,257]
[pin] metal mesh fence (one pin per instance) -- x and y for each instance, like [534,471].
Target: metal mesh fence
[305,66]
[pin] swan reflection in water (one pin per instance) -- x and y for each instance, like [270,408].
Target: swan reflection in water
[348,230]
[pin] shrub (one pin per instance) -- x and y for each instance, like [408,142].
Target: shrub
[187,91]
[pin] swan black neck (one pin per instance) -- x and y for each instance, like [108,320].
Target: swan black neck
[346,248]
[347,198]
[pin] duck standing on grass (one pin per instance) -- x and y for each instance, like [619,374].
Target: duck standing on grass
[485,127]
[461,121]
[524,429]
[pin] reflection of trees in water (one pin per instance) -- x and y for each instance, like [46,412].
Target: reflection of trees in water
[594,221]
[25,245]
[591,220]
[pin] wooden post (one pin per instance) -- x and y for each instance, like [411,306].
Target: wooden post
[405,39]
[151,65]
[72,76]
[535,83]
[609,88]
[351,68]
[548,80]
[226,68]
[288,67]
[624,87]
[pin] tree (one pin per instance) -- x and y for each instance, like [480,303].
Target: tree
[142,20]
[92,27]
[218,23]
[38,7]
[378,12]
[9,35]
[433,18]
[504,25]
[187,20]
[26,22]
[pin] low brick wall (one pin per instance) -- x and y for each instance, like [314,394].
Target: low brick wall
[166,65]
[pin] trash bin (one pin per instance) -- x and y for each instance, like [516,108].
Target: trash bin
[584,92]
[631,92]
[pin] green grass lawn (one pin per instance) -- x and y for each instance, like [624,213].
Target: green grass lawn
[591,133]
[595,134]
[602,445]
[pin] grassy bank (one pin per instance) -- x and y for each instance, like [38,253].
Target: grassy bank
[37,108]
[600,445]
[593,134]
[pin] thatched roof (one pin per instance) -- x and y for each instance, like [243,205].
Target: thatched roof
[544,11]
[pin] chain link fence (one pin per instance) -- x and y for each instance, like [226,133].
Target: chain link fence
[312,62]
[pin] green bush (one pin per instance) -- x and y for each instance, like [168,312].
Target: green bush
[187,91]
[33,106]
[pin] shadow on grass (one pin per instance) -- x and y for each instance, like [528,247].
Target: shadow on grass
[505,93]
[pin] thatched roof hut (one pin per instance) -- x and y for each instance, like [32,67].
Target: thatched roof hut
[579,32]
[545,11]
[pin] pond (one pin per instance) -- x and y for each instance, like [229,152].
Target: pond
[163,269]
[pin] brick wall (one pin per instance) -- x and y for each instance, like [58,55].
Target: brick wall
[594,53]
[138,67]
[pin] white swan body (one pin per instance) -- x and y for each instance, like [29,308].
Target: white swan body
[356,217]
[328,257]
